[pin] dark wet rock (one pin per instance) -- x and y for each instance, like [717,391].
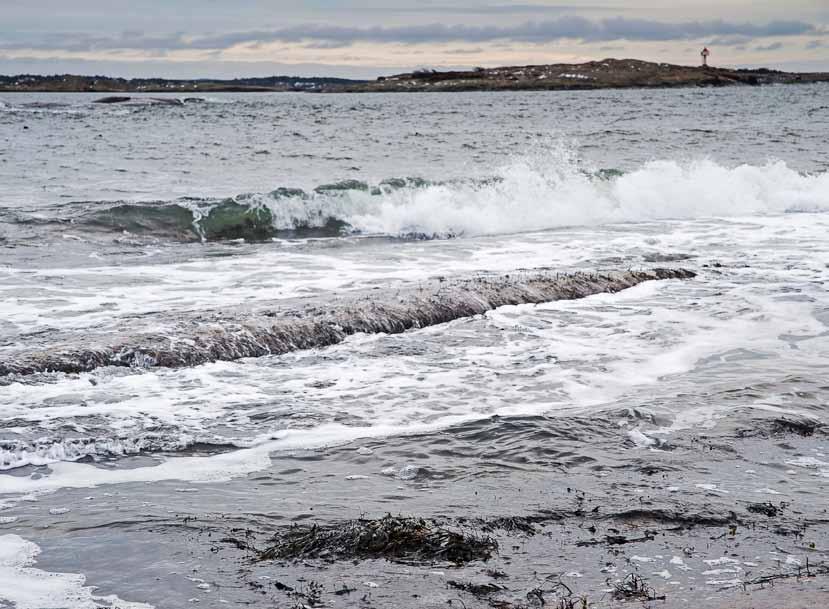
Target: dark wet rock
[203,337]
[788,425]
[801,426]
[680,516]
[113,99]
[618,540]
[342,186]
[660,257]
[284,193]
[156,101]
[766,509]
[398,183]
[392,537]
[476,589]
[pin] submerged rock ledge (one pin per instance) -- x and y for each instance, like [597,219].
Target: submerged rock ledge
[200,337]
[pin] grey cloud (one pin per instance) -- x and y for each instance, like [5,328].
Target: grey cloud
[571,27]
[817,44]
[326,44]
[186,69]
[774,46]
[617,28]
[471,51]
[489,9]
[728,41]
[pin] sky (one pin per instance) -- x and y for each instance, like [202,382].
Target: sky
[356,39]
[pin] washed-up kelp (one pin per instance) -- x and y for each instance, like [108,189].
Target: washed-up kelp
[396,538]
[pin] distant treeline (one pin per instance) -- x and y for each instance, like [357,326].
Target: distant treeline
[100,83]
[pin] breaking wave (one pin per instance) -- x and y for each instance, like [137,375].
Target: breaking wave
[542,193]
[531,193]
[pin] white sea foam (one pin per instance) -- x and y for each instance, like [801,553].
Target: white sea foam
[552,190]
[725,583]
[642,558]
[656,340]
[45,451]
[562,357]
[724,560]
[27,587]
[640,439]
[74,298]
[807,462]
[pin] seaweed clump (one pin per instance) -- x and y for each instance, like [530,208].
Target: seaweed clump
[767,509]
[635,587]
[393,538]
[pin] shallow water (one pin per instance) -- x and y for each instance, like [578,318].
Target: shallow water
[104,224]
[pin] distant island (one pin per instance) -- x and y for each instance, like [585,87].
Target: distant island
[605,74]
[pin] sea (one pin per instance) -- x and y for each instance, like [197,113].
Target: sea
[673,410]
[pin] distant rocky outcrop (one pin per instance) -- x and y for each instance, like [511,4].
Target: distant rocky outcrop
[123,99]
[605,74]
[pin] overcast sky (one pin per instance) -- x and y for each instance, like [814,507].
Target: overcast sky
[225,38]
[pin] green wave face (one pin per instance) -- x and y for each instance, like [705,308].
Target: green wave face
[231,220]
[284,213]
[224,221]
[171,221]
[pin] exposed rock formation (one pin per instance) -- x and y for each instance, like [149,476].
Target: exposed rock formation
[188,339]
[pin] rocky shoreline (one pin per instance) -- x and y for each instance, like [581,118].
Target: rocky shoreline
[584,516]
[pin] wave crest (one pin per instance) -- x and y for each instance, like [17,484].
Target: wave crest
[531,193]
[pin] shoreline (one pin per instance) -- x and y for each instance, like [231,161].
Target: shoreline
[597,519]
[589,76]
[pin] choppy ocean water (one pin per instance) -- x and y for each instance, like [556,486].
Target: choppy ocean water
[157,217]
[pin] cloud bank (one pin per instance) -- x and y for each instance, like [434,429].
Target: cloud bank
[575,27]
